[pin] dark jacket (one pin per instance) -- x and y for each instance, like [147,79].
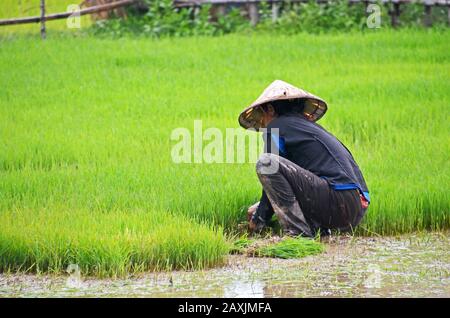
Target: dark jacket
[310,146]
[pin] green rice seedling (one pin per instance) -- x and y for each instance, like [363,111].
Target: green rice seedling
[112,244]
[86,174]
[291,248]
[239,245]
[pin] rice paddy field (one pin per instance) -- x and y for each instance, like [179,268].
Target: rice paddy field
[86,174]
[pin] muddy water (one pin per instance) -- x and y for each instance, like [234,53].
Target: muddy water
[412,266]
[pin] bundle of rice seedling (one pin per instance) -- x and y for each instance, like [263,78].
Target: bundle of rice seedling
[291,248]
[239,245]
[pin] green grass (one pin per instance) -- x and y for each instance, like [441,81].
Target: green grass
[85,140]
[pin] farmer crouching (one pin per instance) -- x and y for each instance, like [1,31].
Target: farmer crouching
[310,180]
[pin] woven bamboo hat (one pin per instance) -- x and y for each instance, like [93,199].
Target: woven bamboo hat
[314,107]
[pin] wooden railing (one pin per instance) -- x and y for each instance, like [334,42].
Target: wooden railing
[64,15]
[220,6]
[253,12]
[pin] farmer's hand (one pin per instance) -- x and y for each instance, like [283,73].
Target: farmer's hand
[251,226]
[251,210]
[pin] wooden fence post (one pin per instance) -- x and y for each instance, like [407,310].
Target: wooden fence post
[253,13]
[427,20]
[43,31]
[221,10]
[395,14]
[448,15]
[217,11]
[366,5]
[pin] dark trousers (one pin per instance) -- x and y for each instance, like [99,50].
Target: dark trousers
[302,201]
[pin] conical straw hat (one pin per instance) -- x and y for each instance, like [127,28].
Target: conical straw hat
[315,107]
